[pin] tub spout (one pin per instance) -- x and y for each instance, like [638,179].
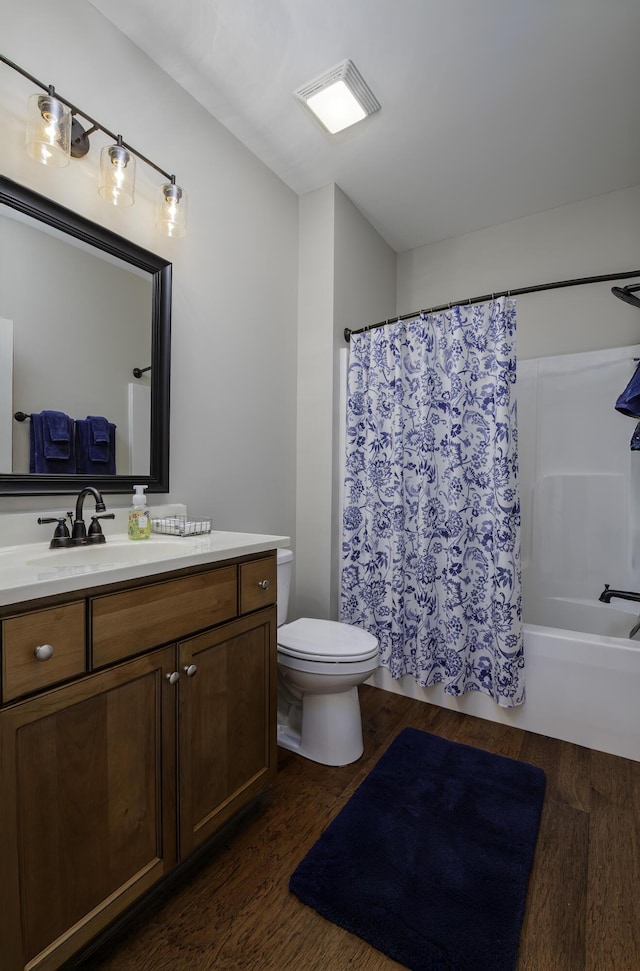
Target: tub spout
[607,595]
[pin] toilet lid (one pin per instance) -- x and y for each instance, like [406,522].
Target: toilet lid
[321,640]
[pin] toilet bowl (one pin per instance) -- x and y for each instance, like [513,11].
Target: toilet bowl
[320,665]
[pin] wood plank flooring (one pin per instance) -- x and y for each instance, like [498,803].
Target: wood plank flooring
[236,914]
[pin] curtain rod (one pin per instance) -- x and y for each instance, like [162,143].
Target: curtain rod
[491,296]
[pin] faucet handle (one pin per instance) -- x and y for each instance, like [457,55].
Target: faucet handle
[95,534]
[61,537]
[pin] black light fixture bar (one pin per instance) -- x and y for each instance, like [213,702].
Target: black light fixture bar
[78,111]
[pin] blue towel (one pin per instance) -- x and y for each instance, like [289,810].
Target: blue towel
[629,401]
[57,428]
[51,443]
[99,439]
[92,456]
[57,433]
[99,430]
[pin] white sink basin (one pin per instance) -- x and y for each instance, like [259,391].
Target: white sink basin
[140,551]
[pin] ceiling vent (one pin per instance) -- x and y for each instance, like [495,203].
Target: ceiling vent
[339,98]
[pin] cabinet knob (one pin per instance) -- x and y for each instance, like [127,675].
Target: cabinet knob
[43,652]
[190,670]
[264,584]
[174,677]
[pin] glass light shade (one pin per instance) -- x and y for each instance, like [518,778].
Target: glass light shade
[48,138]
[171,214]
[117,175]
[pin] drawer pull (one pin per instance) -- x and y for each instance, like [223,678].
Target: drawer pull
[174,677]
[43,652]
[191,670]
[264,584]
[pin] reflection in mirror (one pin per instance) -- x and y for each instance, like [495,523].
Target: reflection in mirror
[81,321]
[80,310]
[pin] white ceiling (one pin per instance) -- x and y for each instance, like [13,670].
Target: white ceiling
[491,109]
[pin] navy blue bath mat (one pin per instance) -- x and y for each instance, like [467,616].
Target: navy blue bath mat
[430,858]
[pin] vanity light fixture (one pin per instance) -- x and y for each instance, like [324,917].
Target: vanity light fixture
[339,98]
[117,174]
[54,135]
[48,136]
[171,215]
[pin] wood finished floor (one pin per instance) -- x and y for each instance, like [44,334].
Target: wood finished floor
[235,912]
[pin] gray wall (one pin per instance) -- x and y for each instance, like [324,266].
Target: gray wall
[347,275]
[596,236]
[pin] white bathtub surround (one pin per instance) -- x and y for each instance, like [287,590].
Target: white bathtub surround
[139,415]
[579,480]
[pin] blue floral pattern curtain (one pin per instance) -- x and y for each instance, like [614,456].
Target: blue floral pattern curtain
[431,530]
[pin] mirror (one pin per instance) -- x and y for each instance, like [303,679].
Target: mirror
[85,329]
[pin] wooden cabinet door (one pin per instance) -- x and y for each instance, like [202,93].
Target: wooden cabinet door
[227,722]
[87,815]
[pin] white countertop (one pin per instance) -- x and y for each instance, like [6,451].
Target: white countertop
[32,570]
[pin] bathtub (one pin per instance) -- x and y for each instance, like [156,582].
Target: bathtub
[580,687]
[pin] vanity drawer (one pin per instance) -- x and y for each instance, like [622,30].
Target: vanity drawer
[61,628]
[258,584]
[126,623]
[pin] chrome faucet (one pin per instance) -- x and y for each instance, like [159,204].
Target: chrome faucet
[79,530]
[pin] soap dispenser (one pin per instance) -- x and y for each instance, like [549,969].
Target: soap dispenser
[139,518]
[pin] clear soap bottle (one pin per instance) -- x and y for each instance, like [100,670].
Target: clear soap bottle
[139,518]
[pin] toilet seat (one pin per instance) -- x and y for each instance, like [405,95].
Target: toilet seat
[311,639]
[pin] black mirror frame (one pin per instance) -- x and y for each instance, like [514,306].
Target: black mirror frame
[44,210]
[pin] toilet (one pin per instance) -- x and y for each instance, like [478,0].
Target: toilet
[320,665]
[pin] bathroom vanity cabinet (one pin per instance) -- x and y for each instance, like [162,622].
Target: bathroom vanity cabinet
[152,724]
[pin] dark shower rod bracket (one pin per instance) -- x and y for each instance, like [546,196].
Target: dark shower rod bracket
[139,371]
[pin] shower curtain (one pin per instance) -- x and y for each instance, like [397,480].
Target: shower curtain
[431,523]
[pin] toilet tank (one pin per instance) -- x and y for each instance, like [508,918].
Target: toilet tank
[285,569]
